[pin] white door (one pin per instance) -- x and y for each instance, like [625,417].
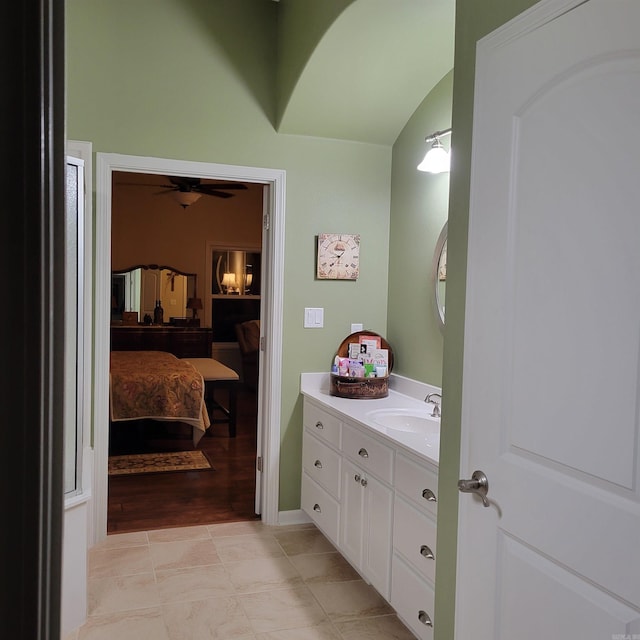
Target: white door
[552,338]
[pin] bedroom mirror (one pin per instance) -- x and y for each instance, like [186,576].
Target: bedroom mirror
[439,275]
[134,293]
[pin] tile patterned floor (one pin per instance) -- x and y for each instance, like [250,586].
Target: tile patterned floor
[233,581]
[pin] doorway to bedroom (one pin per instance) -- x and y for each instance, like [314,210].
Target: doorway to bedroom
[239,480]
[172,291]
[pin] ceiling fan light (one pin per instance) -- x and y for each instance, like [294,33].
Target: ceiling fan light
[186,198]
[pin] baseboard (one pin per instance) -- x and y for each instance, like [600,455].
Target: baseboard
[295,516]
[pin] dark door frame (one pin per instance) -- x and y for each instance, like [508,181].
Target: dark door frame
[32,340]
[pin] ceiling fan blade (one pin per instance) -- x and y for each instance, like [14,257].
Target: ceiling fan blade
[217,194]
[184,183]
[217,188]
[167,190]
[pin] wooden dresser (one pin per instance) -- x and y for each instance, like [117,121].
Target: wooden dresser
[183,342]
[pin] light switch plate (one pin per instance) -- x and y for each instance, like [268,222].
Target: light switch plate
[313,317]
[356,326]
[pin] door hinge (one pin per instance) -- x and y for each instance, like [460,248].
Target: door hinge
[259,463]
[266,221]
[262,343]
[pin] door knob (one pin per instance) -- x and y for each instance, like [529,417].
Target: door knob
[478,485]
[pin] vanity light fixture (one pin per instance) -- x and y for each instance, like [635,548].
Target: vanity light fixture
[186,198]
[437,159]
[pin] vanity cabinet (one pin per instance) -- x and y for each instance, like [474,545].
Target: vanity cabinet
[377,502]
[322,463]
[414,543]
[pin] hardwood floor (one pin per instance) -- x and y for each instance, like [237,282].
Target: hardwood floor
[182,498]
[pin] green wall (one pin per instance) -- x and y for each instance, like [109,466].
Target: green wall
[195,80]
[473,21]
[419,208]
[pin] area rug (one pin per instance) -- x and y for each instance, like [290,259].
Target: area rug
[157,462]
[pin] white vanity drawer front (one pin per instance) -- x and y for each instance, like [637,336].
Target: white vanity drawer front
[320,507]
[413,599]
[414,536]
[370,455]
[322,464]
[418,483]
[322,424]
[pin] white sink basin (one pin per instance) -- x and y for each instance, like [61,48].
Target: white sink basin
[406,420]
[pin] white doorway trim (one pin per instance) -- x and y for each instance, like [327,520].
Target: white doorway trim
[269,393]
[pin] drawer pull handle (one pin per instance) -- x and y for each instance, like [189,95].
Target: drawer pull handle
[317,464]
[319,425]
[316,507]
[363,482]
[363,453]
[429,496]
[423,616]
[426,552]
[357,477]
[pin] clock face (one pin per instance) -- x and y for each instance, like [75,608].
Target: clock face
[338,256]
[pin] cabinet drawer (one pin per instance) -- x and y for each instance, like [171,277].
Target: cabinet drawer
[322,424]
[371,455]
[320,507]
[413,599]
[414,536]
[418,483]
[321,463]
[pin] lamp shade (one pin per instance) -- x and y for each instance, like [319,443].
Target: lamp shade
[436,160]
[229,280]
[194,303]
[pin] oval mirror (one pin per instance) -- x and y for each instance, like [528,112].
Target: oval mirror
[440,275]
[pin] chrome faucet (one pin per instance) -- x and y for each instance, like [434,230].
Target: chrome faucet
[436,405]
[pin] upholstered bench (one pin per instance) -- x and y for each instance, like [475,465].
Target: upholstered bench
[216,375]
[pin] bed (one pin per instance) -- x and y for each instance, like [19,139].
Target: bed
[157,385]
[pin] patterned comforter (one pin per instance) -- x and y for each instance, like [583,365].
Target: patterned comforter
[157,385]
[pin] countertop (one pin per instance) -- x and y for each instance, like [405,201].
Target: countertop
[404,394]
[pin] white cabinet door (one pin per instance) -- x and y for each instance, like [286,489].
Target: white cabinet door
[352,513]
[552,331]
[378,523]
[366,518]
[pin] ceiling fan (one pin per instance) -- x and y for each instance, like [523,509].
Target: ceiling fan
[188,190]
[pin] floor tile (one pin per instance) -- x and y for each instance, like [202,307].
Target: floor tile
[262,574]
[183,553]
[119,561]
[282,609]
[324,567]
[122,593]
[196,583]
[247,547]
[132,625]
[118,540]
[179,533]
[323,631]
[225,529]
[380,628]
[303,541]
[349,600]
[214,619]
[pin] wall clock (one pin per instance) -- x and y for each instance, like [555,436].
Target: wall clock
[338,256]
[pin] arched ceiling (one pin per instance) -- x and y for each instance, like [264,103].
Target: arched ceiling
[371,69]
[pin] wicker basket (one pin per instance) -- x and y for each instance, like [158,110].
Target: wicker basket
[360,388]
